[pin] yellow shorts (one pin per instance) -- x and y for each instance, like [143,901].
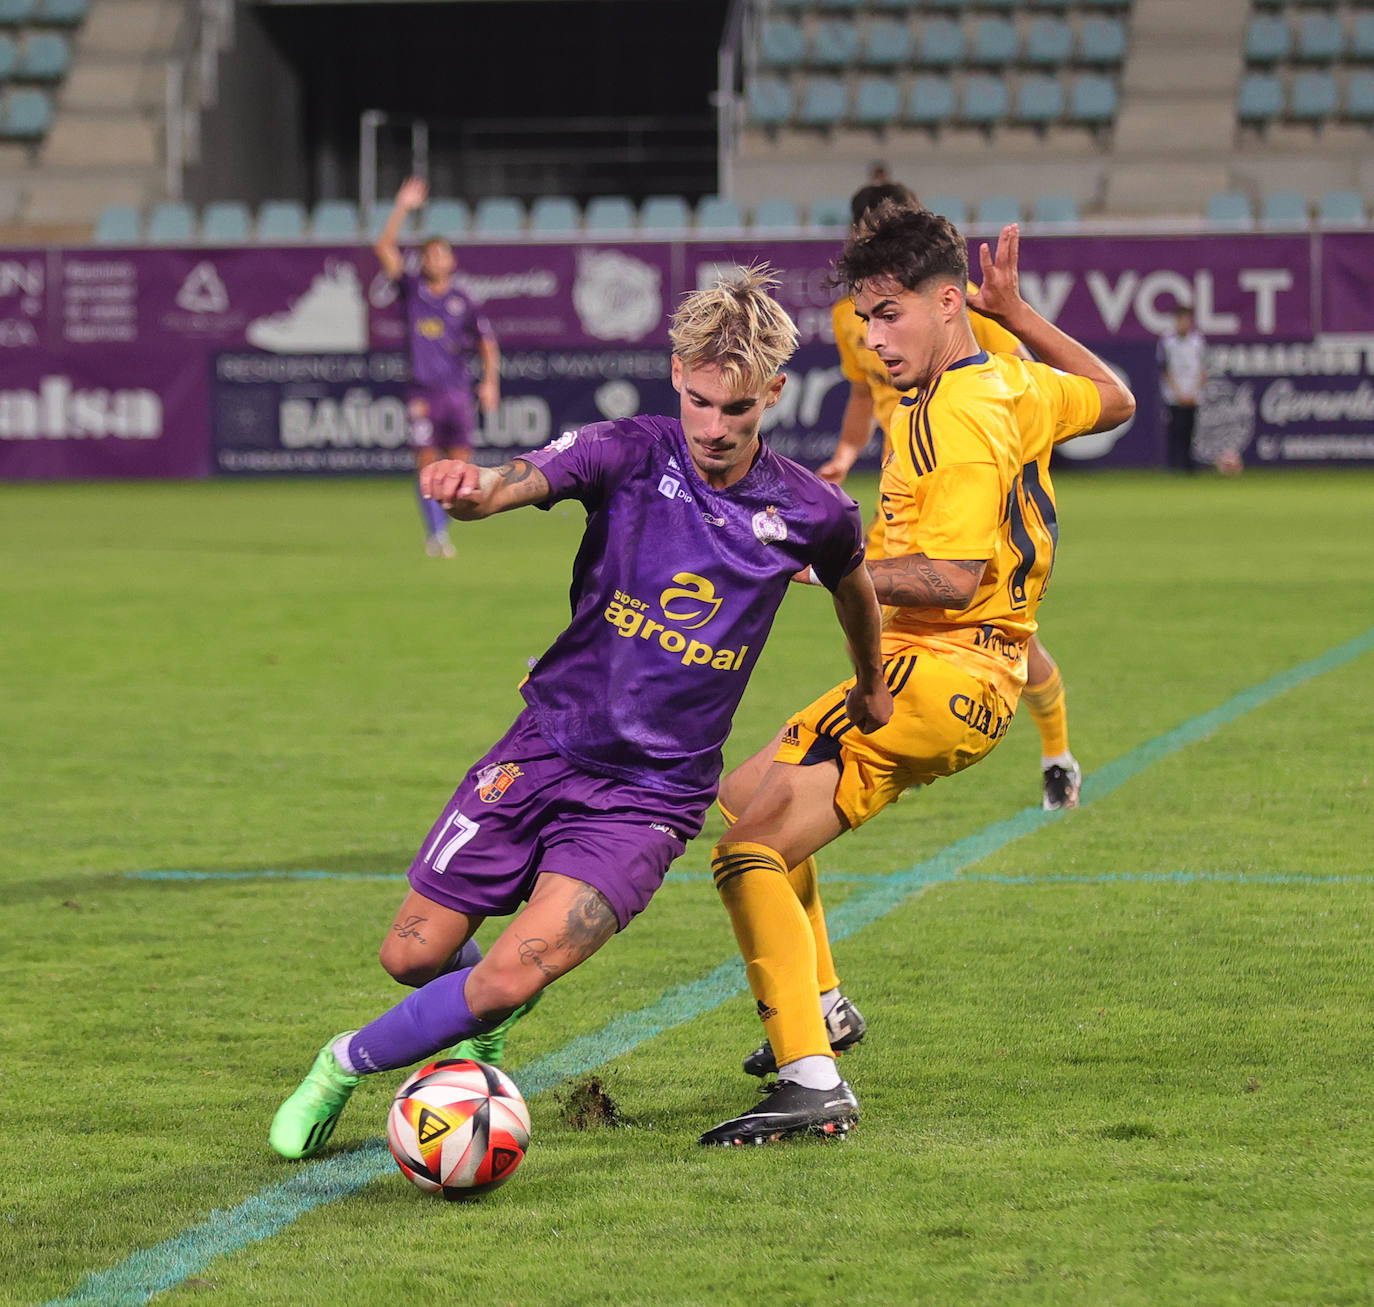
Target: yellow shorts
[944,719]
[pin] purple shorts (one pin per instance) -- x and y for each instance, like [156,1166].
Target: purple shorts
[442,417]
[525,809]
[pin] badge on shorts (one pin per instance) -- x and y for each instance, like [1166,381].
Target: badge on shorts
[495,781]
[769,528]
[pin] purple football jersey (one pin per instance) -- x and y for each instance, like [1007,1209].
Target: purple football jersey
[444,331]
[674,591]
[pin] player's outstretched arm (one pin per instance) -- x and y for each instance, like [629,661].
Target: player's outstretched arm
[916,581]
[469,493]
[388,246]
[999,298]
[869,703]
[855,429]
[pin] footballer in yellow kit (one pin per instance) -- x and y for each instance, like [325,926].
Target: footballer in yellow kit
[969,529]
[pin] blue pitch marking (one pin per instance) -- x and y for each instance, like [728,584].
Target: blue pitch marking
[151,1271]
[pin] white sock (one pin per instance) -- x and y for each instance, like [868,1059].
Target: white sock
[340,1050]
[1064,760]
[814,1072]
[828,1000]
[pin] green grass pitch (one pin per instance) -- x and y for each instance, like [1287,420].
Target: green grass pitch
[1121,1058]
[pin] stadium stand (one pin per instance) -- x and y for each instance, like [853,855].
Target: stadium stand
[609,214]
[281,220]
[665,213]
[716,213]
[555,215]
[337,220]
[448,217]
[225,222]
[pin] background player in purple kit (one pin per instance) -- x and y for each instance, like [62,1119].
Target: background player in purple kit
[694,530]
[445,329]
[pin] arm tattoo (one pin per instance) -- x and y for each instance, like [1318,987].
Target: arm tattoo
[916,581]
[515,472]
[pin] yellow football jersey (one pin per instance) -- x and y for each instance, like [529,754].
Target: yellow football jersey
[969,478]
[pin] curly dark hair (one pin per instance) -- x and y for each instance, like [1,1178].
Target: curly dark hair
[905,245]
[870,197]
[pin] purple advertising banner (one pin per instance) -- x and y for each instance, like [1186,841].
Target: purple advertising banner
[184,362]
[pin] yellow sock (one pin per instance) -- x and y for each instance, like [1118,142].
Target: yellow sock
[806,885]
[779,950]
[1050,713]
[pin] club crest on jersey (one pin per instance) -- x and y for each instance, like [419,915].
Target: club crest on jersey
[769,528]
[493,782]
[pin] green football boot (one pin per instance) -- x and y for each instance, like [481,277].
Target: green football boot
[491,1047]
[306,1120]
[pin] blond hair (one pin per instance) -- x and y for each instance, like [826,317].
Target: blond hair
[736,326]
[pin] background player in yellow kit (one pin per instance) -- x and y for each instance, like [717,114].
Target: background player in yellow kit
[970,531]
[872,400]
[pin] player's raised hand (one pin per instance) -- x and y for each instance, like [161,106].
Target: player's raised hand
[450,481]
[1000,294]
[413,193]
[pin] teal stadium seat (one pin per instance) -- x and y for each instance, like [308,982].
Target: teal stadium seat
[930,102]
[1057,6]
[1230,210]
[1049,42]
[829,211]
[62,13]
[1058,206]
[770,101]
[1283,209]
[555,214]
[118,224]
[887,44]
[1341,209]
[1260,100]
[499,215]
[983,100]
[776,215]
[1092,100]
[43,57]
[1102,42]
[951,5]
[940,43]
[281,220]
[225,222]
[1008,6]
[995,42]
[172,221]
[1362,37]
[877,102]
[337,220]
[26,114]
[1312,97]
[665,213]
[791,4]
[448,217]
[716,213]
[14,13]
[947,206]
[781,44]
[1321,38]
[898,6]
[1268,39]
[1358,102]
[9,58]
[835,44]
[610,213]
[1039,99]
[849,5]
[998,210]
[825,102]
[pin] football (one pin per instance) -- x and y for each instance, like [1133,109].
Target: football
[458,1128]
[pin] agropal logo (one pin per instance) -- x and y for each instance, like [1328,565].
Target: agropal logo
[60,410]
[691,603]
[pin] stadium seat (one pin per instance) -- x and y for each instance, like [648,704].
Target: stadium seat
[1058,6]
[1102,42]
[716,213]
[887,44]
[835,44]
[1005,5]
[1261,98]
[849,5]
[940,43]
[995,41]
[1283,209]
[1229,209]
[895,6]
[26,114]
[877,102]
[665,213]
[1312,96]
[610,213]
[1039,99]
[1092,99]
[1320,38]
[1058,206]
[1268,38]
[281,220]
[953,6]
[998,210]
[43,57]
[337,220]
[831,211]
[824,102]
[15,12]
[930,102]
[62,13]
[1341,209]
[226,222]
[781,44]
[770,101]
[791,4]
[172,221]
[9,58]
[499,215]
[1049,42]
[448,217]
[555,213]
[1358,103]
[983,99]
[118,224]
[1362,37]
[776,215]
[948,206]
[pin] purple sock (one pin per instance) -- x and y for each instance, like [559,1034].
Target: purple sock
[425,1022]
[434,517]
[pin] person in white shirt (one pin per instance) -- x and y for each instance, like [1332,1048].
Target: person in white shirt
[1182,371]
